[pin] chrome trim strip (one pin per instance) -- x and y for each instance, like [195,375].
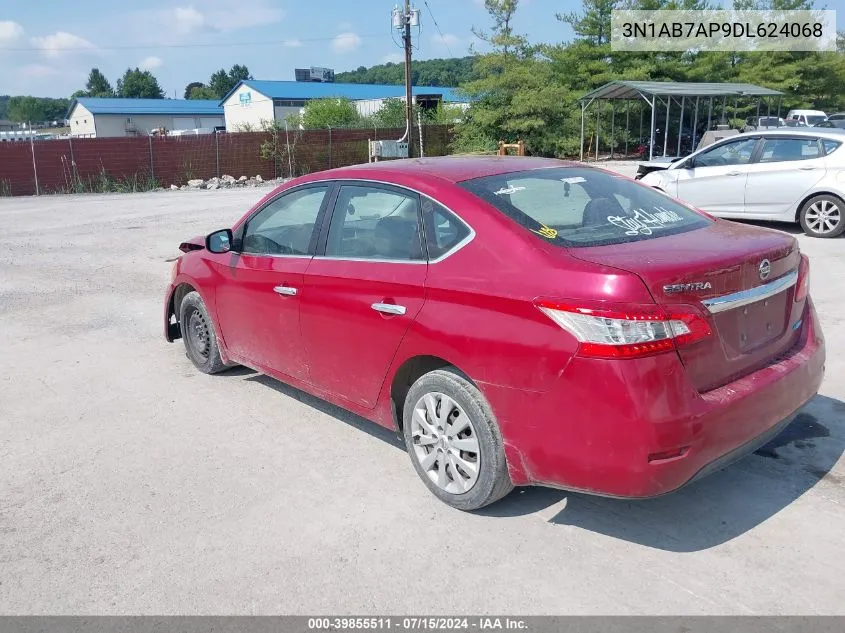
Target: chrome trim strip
[745,297]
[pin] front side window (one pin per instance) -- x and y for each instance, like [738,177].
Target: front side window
[286,225]
[732,153]
[776,150]
[375,223]
[576,207]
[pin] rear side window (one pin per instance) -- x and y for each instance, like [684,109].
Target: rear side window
[777,150]
[443,231]
[584,207]
[375,223]
[830,146]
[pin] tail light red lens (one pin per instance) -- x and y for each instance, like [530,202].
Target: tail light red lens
[802,289]
[626,331]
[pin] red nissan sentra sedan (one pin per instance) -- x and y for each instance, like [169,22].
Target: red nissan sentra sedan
[520,320]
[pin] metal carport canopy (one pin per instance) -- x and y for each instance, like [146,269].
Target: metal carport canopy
[651,90]
[636,89]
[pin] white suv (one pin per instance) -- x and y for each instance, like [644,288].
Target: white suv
[806,117]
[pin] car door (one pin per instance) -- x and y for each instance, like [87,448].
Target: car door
[259,288]
[714,181]
[781,174]
[363,289]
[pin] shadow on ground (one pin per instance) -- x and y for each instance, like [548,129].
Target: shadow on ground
[707,513]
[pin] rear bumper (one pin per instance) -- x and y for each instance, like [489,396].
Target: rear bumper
[603,428]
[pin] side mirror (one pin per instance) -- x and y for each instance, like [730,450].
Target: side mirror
[219,241]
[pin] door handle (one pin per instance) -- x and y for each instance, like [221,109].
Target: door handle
[807,168]
[388,308]
[734,173]
[285,290]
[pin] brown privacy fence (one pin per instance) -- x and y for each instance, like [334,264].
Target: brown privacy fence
[128,164]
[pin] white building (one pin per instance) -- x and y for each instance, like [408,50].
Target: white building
[110,117]
[252,102]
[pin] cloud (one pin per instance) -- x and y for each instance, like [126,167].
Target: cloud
[186,20]
[36,71]
[151,63]
[292,43]
[61,42]
[346,42]
[10,31]
[393,58]
[215,16]
[447,40]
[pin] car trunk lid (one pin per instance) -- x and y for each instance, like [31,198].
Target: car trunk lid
[741,278]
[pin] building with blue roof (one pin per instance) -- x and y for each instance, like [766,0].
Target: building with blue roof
[94,117]
[251,102]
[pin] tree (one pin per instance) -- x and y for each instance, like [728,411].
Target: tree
[222,82]
[203,92]
[26,109]
[98,85]
[501,37]
[593,24]
[391,114]
[139,84]
[189,88]
[323,113]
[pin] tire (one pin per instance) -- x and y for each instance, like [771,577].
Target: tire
[199,335]
[823,216]
[466,488]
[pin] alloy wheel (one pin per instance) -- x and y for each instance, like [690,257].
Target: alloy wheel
[445,443]
[823,216]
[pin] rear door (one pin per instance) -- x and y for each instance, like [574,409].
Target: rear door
[363,289]
[783,171]
[259,288]
[716,181]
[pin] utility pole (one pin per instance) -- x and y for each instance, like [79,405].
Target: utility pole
[404,19]
[409,98]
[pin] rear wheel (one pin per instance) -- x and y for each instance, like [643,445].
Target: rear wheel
[823,216]
[199,335]
[454,441]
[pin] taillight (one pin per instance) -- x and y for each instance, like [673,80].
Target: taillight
[802,288]
[626,331]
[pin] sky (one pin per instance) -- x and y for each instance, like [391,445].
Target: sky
[47,47]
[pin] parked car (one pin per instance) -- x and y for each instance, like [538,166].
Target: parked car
[838,116]
[519,320]
[835,124]
[795,175]
[806,117]
[763,123]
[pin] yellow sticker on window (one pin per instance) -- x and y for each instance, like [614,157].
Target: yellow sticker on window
[546,231]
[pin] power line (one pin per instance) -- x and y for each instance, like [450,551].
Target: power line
[433,19]
[35,49]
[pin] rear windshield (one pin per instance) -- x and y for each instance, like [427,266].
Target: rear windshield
[572,206]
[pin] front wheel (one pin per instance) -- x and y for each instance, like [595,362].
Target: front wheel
[454,441]
[199,335]
[823,216]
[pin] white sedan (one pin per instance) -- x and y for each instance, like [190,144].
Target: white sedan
[788,175]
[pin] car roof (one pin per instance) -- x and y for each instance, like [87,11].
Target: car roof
[809,132]
[452,168]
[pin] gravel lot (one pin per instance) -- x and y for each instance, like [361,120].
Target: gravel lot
[132,484]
